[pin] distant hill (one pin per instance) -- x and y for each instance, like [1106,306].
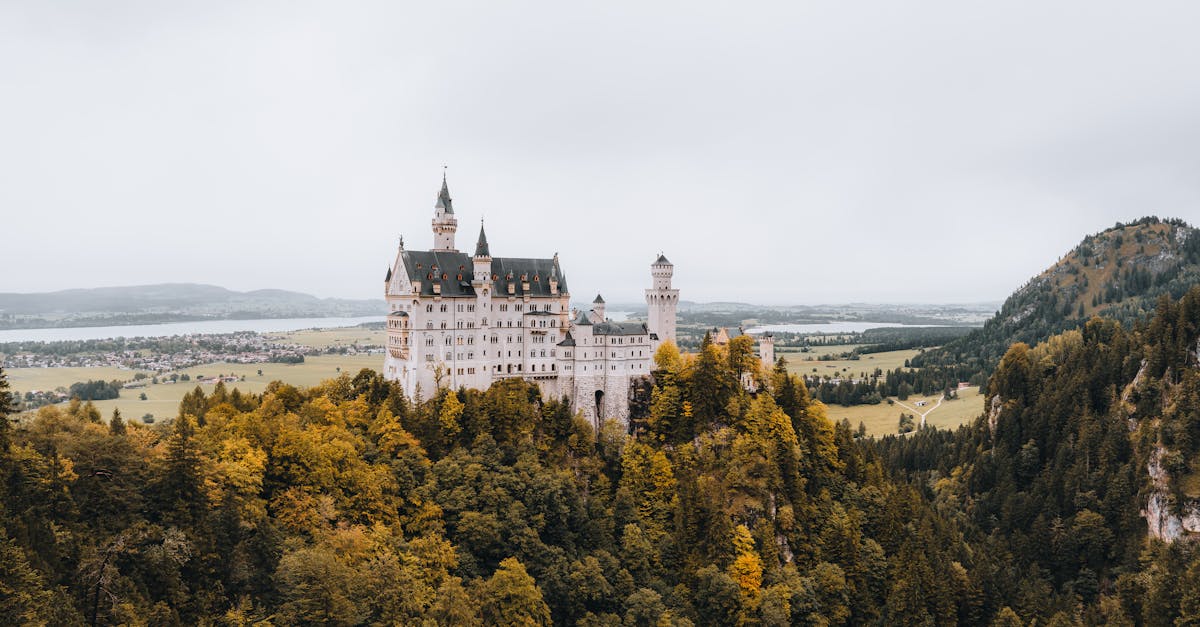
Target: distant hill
[1118,273]
[168,302]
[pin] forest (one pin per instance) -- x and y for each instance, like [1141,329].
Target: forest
[347,504]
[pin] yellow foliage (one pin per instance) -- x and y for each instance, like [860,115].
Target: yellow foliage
[452,410]
[746,569]
[667,357]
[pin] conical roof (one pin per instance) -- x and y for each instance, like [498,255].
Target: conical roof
[443,201]
[481,246]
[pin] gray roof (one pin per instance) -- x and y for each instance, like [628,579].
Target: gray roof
[453,264]
[481,245]
[582,320]
[662,259]
[598,300]
[388,277]
[443,201]
[568,340]
[621,328]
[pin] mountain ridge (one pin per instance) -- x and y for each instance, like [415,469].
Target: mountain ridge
[168,302]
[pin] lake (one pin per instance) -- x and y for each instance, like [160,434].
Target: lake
[837,326]
[271,325]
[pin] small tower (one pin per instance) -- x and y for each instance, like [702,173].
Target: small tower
[662,300]
[597,310]
[482,259]
[766,350]
[444,222]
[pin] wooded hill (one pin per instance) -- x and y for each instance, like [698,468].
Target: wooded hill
[1118,274]
[1085,470]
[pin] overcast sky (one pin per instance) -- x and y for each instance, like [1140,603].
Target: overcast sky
[790,152]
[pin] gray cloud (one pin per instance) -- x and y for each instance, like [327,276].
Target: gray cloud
[777,152]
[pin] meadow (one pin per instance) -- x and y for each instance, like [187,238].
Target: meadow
[162,399]
[884,419]
[807,364]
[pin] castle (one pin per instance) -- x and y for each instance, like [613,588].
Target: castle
[458,320]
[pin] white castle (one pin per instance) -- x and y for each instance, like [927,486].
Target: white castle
[458,320]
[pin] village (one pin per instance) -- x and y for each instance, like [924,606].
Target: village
[162,355]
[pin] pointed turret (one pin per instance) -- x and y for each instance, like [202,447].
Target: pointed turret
[444,222]
[481,246]
[443,202]
[598,310]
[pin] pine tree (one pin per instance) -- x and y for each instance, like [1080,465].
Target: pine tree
[116,426]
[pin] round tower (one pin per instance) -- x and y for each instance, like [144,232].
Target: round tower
[444,222]
[662,300]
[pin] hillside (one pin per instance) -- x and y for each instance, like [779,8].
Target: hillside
[1118,273]
[167,302]
[1086,466]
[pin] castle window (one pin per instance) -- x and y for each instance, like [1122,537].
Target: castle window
[443,324]
[470,307]
[429,324]
[471,340]
[429,308]
[448,340]
[429,341]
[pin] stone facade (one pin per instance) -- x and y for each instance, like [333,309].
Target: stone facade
[457,320]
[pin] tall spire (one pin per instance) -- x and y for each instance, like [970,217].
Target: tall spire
[444,222]
[443,201]
[481,246]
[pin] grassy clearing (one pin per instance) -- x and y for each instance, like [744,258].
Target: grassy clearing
[33,379]
[793,353]
[806,364]
[324,338]
[883,419]
[162,399]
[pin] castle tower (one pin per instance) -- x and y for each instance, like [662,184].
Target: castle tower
[482,260]
[597,310]
[662,300]
[766,350]
[444,222]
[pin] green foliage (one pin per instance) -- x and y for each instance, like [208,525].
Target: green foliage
[347,503]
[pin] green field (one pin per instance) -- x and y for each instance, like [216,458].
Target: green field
[806,364]
[162,399]
[883,419]
[324,338]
